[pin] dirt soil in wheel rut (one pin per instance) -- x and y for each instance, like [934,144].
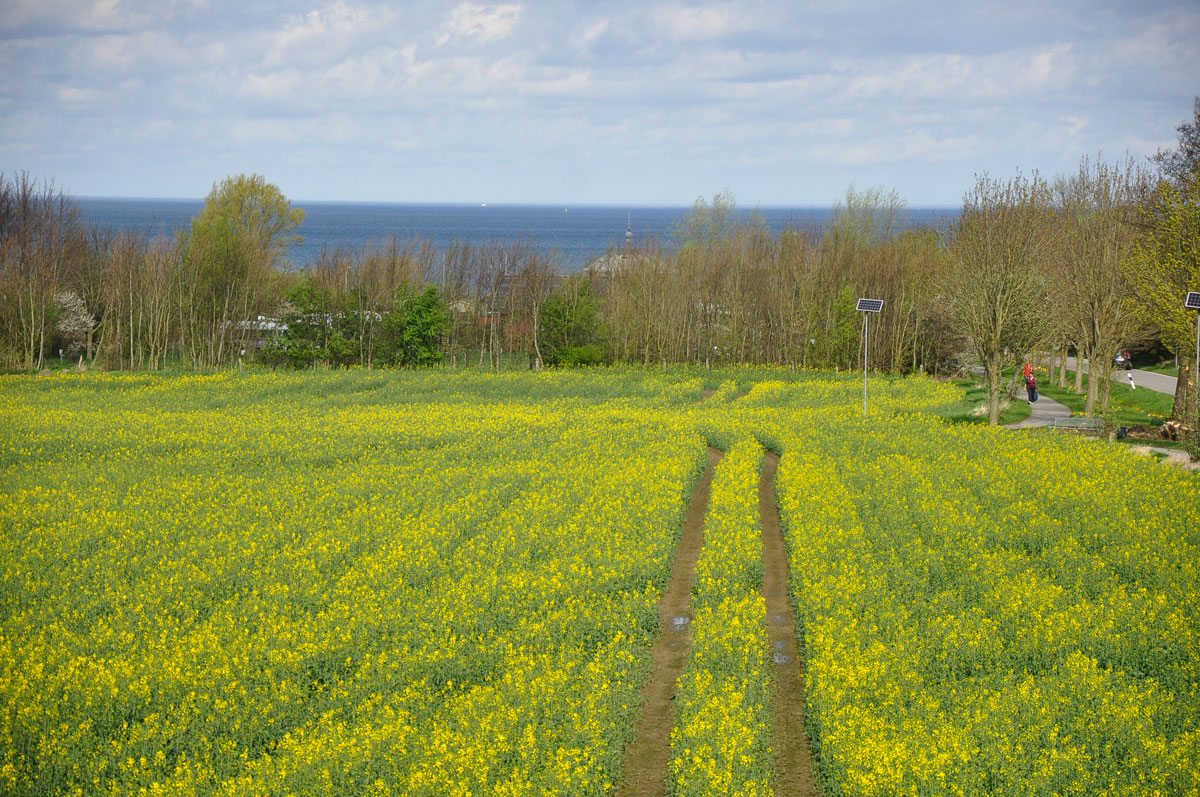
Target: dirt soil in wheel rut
[649,754]
[794,766]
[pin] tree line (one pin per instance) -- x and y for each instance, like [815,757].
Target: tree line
[1086,263]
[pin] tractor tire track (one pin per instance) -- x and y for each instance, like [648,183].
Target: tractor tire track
[648,755]
[794,765]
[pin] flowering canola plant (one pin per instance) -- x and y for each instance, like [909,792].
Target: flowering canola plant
[984,613]
[244,584]
[446,582]
[720,742]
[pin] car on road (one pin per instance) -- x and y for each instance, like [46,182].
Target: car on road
[1123,360]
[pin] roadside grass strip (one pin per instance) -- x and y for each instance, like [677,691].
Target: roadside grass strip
[720,742]
[989,614]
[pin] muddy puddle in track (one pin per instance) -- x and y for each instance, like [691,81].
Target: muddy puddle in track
[649,754]
[795,769]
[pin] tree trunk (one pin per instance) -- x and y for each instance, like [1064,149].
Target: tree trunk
[1193,405]
[1178,409]
[1089,406]
[992,374]
[1105,388]
[536,348]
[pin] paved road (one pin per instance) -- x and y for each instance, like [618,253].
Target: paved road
[1043,412]
[1160,383]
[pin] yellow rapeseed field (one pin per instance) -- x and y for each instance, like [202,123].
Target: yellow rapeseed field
[439,582]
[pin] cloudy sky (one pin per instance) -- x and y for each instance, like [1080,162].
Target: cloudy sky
[641,102]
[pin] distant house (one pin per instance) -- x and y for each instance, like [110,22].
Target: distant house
[255,332]
[463,306]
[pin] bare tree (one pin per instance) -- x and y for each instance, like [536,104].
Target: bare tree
[537,278]
[1098,207]
[995,286]
[41,237]
[1182,163]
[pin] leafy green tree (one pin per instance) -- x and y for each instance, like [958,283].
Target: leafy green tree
[411,332]
[232,255]
[260,217]
[319,326]
[842,340]
[570,326]
[1165,265]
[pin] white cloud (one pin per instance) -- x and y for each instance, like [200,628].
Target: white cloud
[112,53]
[917,145]
[75,98]
[966,79]
[264,130]
[336,129]
[590,32]
[940,75]
[1052,66]
[1075,124]
[471,21]
[286,84]
[924,146]
[679,87]
[1156,45]
[571,82]
[822,127]
[328,33]
[69,15]
[156,129]
[704,23]
[409,144]
[142,51]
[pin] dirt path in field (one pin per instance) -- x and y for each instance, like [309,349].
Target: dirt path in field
[649,754]
[794,766]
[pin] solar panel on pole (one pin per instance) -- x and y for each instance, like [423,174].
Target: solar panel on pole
[1192,302]
[866,306]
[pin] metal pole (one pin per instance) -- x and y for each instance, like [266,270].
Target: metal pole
[1196,373]
[866,330]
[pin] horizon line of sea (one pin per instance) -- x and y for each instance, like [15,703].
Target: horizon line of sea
[503,204]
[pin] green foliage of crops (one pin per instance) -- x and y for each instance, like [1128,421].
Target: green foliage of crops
[991,613]
[720,744]
[414,582]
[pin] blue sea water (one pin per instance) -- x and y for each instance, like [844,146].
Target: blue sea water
[577,234]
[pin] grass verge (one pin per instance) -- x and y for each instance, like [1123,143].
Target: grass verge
[1127,406]
[1170,369]
[969,409]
